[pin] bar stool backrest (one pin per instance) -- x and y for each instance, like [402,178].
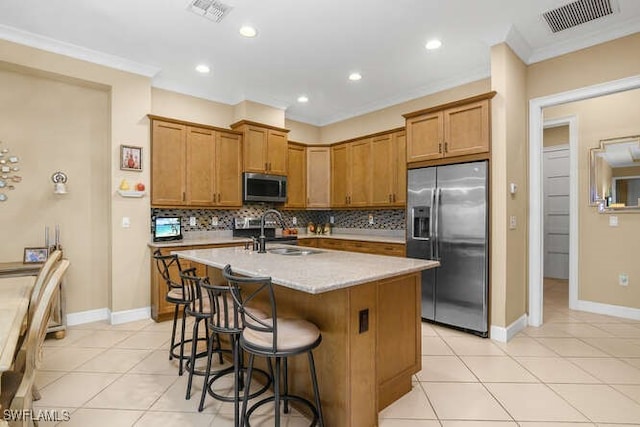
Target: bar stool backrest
[244,291]
[193,291]
[224,315]
[165,264]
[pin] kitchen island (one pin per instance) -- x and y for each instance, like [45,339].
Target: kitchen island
[367,308]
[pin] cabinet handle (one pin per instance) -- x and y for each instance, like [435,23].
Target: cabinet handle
[394,197]
[266,166]
[346,200]
[390,198]
[269,165]
[439,148]
[446,147]
[184,196]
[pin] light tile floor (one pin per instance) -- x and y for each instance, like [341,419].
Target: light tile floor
[578,369]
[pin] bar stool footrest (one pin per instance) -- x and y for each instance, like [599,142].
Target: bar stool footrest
[230,370]
[290,398]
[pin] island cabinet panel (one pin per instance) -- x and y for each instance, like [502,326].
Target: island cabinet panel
[352,355]
[168,163]
[265,147]
[453,130]
[297,177]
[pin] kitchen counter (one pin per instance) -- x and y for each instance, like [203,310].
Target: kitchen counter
[367,308]
[200,241]
[323,271]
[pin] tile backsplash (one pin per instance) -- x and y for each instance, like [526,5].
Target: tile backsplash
[386,219]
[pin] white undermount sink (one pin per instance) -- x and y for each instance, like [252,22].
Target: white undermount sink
[292,251]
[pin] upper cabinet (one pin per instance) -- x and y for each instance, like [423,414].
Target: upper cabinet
[194,165]
[318,177]
[297,178]
[351,172]
[389,169]
[265,148]
[460,128]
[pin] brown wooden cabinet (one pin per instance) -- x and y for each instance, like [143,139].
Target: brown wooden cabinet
[460,128]
[265,147]
[194,165]
[297,178]
[318,177]
[389,169]
[160,309]
[351,172]
[375,248]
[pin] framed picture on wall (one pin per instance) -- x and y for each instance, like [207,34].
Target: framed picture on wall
[35,255]
[130,158]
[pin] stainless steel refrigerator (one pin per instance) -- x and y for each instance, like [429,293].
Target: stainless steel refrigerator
[447,220]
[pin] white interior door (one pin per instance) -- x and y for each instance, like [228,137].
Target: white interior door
[556,211]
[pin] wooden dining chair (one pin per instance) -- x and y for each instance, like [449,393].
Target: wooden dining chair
[17,385]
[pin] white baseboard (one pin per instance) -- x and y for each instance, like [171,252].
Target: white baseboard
[126,316]
[87,316]
[609,309]
[502,334]
[114,318]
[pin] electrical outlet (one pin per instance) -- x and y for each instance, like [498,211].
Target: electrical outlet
[370,219]
[192,221]
[513,222]
[294,220]
[214,221]
[126,222]
[332,220]
[613,221]
[623,279]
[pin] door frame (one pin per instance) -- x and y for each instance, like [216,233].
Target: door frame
[536,213]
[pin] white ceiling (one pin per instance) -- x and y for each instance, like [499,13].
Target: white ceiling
[305,46]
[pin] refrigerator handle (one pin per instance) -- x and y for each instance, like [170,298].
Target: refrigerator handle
[436,227]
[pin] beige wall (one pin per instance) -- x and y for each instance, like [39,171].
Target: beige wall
[127,257]
[55,125]
[185,107]
[302,132]
[391,117]
[557,135]
[604,251]
[509,165]
[260,113]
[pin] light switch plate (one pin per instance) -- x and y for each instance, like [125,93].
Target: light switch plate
[192,221]
[214,221]
[294,220]
[513,222]
[613,221]
[126,222]
[623,279]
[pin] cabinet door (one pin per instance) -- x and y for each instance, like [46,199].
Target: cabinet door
[424,137]
[383,170]
[297,177]
[277,153]
[255,149]
[228,169]
[318,177]
[399,143]
[361,173]
[168,164]
[466,129]
[199,167]
[340,173]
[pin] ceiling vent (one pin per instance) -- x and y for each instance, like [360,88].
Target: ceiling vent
[210,9]
[577,13]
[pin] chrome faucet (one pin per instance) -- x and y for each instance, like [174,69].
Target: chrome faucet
[262,240]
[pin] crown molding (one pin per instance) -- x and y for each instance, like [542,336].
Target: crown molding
[77,52]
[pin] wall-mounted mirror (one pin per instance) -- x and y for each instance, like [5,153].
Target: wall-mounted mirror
[615,174]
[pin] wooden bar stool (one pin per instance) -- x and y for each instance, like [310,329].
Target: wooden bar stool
[275,338]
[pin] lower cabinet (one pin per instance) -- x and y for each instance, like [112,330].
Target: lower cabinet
[375,248]
[160,309]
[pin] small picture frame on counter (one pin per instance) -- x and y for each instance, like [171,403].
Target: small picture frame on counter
[35,255]
[130,158]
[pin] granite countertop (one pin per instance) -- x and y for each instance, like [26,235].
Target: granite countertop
[323,271]
[225,237]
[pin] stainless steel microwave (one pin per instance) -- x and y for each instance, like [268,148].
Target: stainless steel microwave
[259,187]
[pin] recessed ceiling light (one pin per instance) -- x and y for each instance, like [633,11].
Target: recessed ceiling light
[203,68]
[248,31]
[355,76]
[433,44]
[303,98]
